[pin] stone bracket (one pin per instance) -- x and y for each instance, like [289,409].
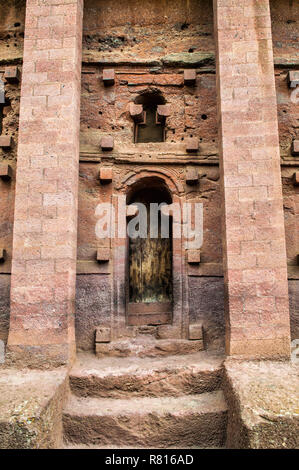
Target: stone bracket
[5,172]
[193,256]
[192,144]
[107,143]
[295,147]
[106,175]
[103,255]
[2,255]
[132,211]
[5,141]
[136,112]
[163,111]
[190,77]
[191,176]
[109,77]
[293,78]
[296,178]
[12,74]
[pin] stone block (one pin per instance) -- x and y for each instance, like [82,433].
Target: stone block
[5,141]
[168,332]
[5,171]
[132,211]
[2,255]
[190,77]
[108,77]
[163,111]
[192,144]
[106,175]
[191,176]
[107,143]
[31,408]
[103,255]
[103,349]
[193,256]
[195,331]
[12,74]
[136,112]
[103,334]
[262,397]
[296,178]
[6,110]
[293,78]
[295,147]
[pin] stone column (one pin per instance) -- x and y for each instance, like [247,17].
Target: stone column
[45,223]
[257,317]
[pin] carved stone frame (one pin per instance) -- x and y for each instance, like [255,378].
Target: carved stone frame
[180,317]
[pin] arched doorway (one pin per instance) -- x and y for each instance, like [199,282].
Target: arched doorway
[149,286]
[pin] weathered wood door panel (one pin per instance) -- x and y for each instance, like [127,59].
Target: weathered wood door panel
[150,271]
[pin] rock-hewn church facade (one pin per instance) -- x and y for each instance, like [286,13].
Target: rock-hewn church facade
[141,342]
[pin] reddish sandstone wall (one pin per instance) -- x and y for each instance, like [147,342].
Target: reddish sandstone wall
[285,18]
[149,46]
[147,29]
[149,35]
[45,226]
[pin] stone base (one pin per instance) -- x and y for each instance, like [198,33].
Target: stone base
[263,403]
[147,346]
[248,349]
[31,408]
[46,356]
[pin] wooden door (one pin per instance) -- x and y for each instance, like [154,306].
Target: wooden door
[150,272]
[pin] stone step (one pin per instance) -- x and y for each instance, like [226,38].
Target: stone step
[133,376]
[187,421]
[94,447]
[147,346]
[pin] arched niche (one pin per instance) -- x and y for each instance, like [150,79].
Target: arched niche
[149,289]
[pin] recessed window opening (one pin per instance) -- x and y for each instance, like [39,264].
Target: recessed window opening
[151,129]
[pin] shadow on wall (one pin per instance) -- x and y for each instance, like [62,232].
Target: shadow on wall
[4,306]
[206,300]
[93,307]
[294,308]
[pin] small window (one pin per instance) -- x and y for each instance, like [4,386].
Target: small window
[151,129]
